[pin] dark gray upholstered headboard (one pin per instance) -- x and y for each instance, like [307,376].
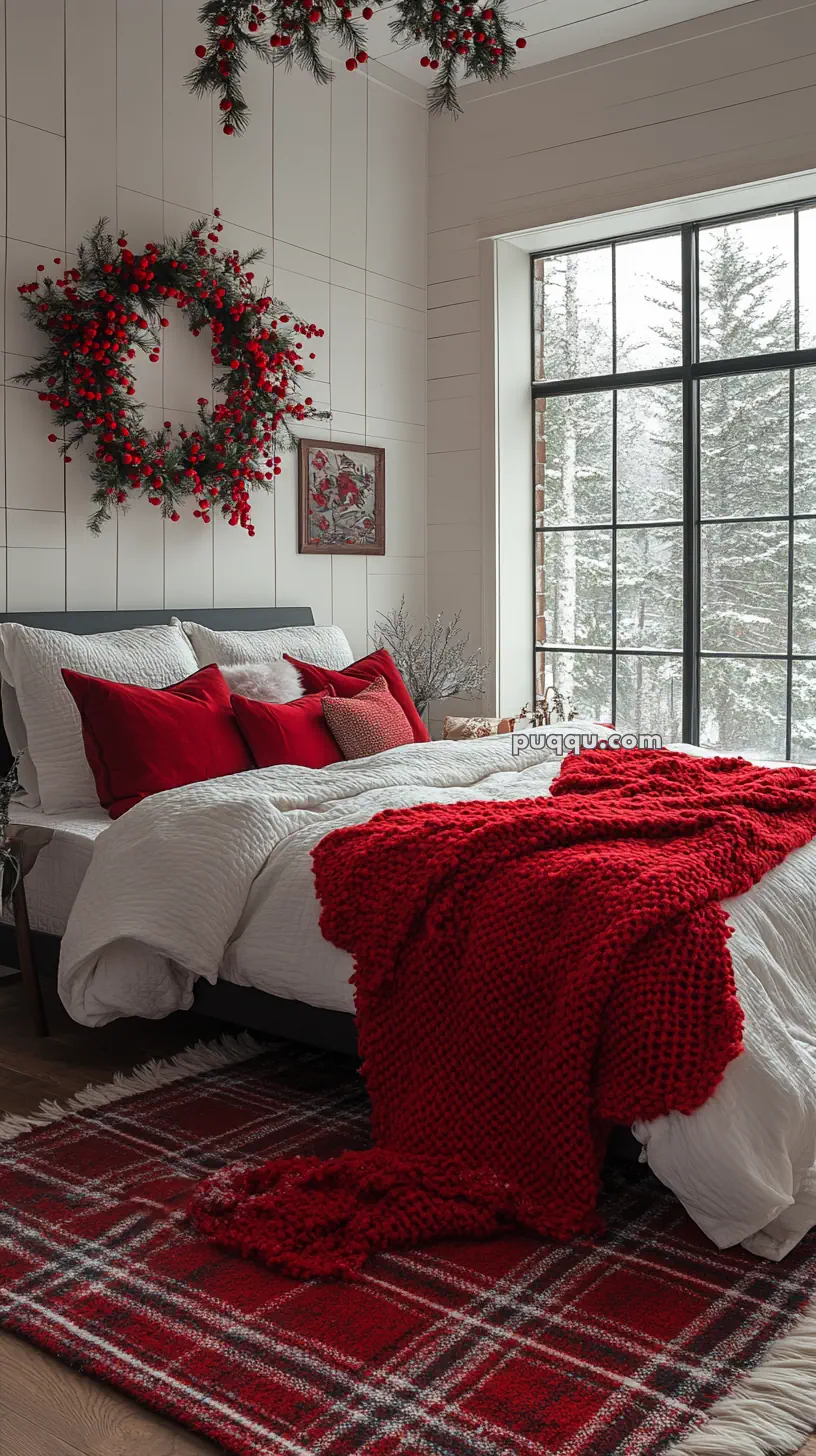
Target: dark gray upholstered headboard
[220,619]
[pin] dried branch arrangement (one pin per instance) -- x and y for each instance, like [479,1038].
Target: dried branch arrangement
[432,656]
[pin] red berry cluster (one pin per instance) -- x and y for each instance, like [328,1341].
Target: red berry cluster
[235,29]
[459,37]
[222,61]
[467,31]
[96,316]
[292,16]
[234,32]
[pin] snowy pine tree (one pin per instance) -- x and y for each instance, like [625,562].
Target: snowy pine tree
[746,308]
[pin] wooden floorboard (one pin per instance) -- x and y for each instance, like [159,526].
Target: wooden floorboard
[18,1435]
[47,1409]
[72,1056]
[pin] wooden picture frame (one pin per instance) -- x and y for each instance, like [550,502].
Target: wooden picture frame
[341,498]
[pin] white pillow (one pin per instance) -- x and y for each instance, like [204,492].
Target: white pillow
[29,791]
[323,646]
[31,659]
[265,682]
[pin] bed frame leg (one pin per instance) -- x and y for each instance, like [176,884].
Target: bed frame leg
[28,965]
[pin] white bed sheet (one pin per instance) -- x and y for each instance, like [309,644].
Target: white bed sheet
[53,882]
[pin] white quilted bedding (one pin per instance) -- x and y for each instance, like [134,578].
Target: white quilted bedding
[216,878]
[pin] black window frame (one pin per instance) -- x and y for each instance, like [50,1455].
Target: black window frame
[688,374]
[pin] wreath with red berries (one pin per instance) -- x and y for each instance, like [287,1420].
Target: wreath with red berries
[460,38]
[113,302]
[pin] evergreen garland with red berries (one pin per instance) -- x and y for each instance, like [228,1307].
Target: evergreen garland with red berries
[112,303]
[471,39]
[457,36]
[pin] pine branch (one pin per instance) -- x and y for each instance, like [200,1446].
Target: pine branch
[222,59]
[469,39]
[305,52]
[442,95]
[350,35]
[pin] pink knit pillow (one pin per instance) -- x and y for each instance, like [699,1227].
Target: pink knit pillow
[368,723]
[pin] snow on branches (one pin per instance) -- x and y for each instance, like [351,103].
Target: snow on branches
[432,656]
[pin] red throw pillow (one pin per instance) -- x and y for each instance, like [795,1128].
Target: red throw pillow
[366,669]
[370,722]
[139,741]
[287,732]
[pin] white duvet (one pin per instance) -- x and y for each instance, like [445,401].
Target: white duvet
[216,879]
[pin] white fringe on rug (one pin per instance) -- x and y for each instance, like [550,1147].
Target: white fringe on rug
[203,1057]
[772,1409]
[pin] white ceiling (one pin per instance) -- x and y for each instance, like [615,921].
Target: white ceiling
[553,28]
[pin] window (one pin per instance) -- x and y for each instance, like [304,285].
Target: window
[674,413]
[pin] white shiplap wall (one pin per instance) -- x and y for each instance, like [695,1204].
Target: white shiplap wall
[330,181]
[720,100]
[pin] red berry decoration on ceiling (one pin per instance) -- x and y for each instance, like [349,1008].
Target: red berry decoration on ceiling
[113,302]
[460,41]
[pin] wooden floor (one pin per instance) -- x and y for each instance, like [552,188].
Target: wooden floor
[45,1408]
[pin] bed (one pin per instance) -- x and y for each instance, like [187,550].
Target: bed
[744,1164]
[53,881]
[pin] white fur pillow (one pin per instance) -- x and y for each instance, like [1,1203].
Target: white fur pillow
[266,682]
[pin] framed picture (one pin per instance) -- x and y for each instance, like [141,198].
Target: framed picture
[341,502]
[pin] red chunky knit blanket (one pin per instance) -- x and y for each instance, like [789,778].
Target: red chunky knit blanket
[528,972]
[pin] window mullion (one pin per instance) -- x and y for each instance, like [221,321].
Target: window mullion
[614,598]
[791,543]
[691,493]
[614,593]
[796,331]
[792,490]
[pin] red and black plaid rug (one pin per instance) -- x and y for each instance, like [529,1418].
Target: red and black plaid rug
[607,1346]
